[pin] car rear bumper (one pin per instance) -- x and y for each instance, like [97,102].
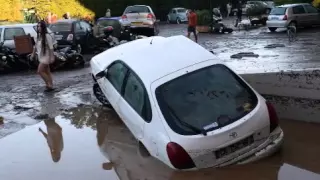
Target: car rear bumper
[277,24]
[269,147]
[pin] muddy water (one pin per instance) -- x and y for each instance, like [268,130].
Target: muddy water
[301,149]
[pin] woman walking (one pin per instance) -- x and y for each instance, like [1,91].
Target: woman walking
[44,50]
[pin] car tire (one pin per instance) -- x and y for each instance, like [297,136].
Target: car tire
[272,29]
[293,24]
[100,96]
[79,48]
[178,21]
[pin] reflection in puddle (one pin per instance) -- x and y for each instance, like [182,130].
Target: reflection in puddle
[116,143]
[54,138]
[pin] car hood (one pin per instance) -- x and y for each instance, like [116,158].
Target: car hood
[26,154]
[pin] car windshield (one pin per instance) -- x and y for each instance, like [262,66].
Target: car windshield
[206,99]
[137,9]
[181,10]
[278,11]
[61,27]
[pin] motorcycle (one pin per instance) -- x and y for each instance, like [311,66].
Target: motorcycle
[107,41]
[218,26]
[10,61]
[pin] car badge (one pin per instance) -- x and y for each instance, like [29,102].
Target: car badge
[233,134]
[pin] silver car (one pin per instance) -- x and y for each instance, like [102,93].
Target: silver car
[177,15]
[141,19]
[7,33]
[298,15]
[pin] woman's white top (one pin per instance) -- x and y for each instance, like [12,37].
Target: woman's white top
[44,58]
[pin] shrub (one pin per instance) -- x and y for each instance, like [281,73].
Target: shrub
[203,17]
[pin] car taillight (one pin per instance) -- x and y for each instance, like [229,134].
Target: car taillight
[70,37]
[149,16]
[273,117]
[179,158]
[124,17]
[285,17]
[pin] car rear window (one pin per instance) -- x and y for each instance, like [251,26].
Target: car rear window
[206,99]
[61,27]
[108,22]
[182,10]
[137,9]
[278,11]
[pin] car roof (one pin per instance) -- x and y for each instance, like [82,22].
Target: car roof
[292,5]
[155,57]
[19,25]
[109,18]
[67,20]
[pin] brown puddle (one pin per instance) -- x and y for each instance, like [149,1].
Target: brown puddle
[301,149]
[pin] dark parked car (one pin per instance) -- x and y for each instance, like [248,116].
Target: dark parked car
[73,32]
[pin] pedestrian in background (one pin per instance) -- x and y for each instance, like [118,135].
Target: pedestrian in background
[229,9]
[108,13]
[44,49]
[49,18]
[192,23]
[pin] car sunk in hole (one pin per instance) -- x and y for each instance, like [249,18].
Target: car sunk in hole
[184,106]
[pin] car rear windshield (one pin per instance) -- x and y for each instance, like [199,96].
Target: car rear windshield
[182,10]
[206,99]
[278,11]
[108,22]
[61,27]
[137,9]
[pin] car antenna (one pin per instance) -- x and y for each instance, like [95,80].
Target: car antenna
[151,41]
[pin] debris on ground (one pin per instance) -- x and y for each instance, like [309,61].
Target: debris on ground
[244,54]
[271,46]
[41,116]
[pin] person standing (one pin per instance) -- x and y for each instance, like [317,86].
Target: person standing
[228,9]
[49,18]
[44,49]
[192,23]
[108,13]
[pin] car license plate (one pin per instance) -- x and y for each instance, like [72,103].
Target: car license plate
[234,147]
[274,18]
[136,23]
[58,37]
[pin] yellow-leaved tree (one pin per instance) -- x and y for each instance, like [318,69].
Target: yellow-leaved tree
[10,10]
[316,3]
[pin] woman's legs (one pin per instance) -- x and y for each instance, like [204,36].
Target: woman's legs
[50,80]
[43,74]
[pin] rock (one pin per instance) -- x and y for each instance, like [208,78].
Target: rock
[41,116]
[270,46]
[244,54]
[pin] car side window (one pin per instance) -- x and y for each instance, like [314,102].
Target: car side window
[136,95]
[78,27]
[10,33]
[298,10]
[85,26]
[116,74]
[311,9]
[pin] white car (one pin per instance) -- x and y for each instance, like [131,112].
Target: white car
[183,106]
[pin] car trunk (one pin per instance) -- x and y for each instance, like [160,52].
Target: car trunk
[213,114]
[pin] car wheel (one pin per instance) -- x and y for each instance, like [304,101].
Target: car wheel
[100,96]
[272,29]
[178,21]
[79,48]
[294,24]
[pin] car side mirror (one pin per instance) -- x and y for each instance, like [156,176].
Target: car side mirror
[101,74]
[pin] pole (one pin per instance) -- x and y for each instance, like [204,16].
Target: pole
[211,16]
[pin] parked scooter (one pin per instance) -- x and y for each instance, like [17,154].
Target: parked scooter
[106,40]
[217,24]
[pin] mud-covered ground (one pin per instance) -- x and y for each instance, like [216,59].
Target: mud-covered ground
[23,103]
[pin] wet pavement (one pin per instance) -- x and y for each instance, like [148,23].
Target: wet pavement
[23,104]
[93,143]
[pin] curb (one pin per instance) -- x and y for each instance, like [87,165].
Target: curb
[295,94]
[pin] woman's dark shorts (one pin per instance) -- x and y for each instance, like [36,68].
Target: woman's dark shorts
[192,29]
